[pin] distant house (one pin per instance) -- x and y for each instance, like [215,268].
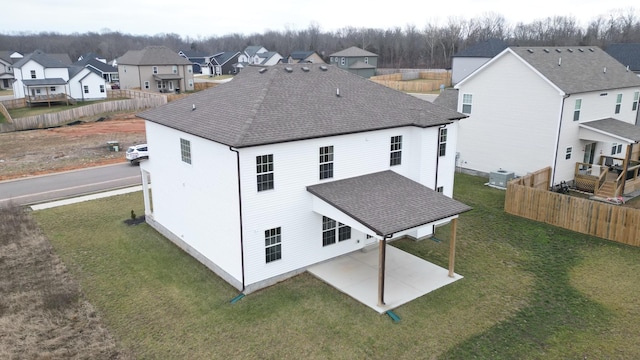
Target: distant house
[6,70]
[99,65]
[304,57]
[223,63]
[199,61]
[628,54]
[257,55]
[42,77]
[573,108]
[356,60]
[258,193]
[469,59]
[155,69]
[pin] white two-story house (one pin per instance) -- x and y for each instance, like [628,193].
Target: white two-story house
[316,164]
[573,108]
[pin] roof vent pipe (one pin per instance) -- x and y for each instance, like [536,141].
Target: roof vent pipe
[338,92]
[559,61]
[604,70]
[627,68]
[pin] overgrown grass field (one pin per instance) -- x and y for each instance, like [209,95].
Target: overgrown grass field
[530,291]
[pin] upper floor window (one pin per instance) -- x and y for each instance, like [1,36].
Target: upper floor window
[331,59]
[576,110]
[442,142]
[326,162]
[396,150]
[185,150]
[146,84]
[618,103]
[342,61]
[86,89]
[567,154]
[466,103]
[189,69]
[101,88]
[175,69]
[155,69]
[366,60]
[636,96]
[272,244]
[440,189]
[33,74]
[264,171]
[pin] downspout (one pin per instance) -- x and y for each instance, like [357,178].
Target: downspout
[240,211]
[555,160]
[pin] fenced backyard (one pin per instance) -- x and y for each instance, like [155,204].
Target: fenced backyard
[529,197]
[423,81]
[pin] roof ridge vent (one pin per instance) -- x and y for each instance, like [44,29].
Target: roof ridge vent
[288,69]
[263,70]
[570,50]
[591,49]
[324,68]
[581,50]
[530,51]
[558,50]
[546,50]
[305,68]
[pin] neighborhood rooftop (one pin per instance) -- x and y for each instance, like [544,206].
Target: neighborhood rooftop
[577,69]
[152,55]
[294,102]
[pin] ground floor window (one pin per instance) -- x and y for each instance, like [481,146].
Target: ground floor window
[329,228]
[273,245]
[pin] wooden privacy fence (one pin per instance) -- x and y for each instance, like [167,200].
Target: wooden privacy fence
[14,103]
[611,222]
[66,116]
[417,81]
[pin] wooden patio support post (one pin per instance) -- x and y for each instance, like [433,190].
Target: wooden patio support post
[381,261]
[452,247]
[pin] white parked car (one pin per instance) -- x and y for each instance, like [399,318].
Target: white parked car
[137,153]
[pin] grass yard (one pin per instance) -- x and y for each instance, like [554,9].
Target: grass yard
[530,291]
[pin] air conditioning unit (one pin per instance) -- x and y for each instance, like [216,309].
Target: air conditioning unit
[500,178]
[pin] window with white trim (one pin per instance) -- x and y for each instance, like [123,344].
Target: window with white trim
[326,162]
[567,154]
[272,244]
[396,150]
[636,97]
[33,74]
[616,148]
[86,89]
[155,69]
[440,189]
[329,229]
[185,150]
[618,103]
[174,69]
[442,142]
[342,61]
[146,84]
[366,60]
[102,88]
[576,109]
[264,172]
[52,88]
[467,99]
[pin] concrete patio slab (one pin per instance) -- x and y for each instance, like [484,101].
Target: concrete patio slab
[408,277]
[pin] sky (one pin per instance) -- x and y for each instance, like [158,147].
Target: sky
[202,19]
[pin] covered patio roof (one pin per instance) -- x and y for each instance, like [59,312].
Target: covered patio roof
[387,202]
[44,82]
[609,129]
[167,77]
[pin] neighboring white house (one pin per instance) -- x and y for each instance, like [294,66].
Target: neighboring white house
[43,77]
[533,107]
[319,163]
[471,58]
[258,55]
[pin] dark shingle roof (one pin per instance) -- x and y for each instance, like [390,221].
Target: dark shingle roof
[578,69]
[152,55]
[301,55]
[252,50]
[627,54]
[223,57]
[353,51]
[44,82]
[6,56]
[387,202]
[615,127]
[295,105]
[193,54]
[485,49]
[96,64]
[46,60]
[448,98]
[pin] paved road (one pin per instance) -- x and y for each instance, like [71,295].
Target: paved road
[40,189]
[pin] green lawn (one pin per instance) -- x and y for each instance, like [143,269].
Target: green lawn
[530,291]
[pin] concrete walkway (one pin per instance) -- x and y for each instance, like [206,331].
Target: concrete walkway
[408,277]
[78,199]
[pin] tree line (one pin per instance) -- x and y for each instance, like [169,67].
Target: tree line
[431,46]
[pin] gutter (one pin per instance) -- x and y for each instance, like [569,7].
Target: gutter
[555,160]
[240,211]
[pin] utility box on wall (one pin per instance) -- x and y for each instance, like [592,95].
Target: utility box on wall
[500,178]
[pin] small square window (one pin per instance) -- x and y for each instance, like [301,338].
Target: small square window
[86,89]
[102,88]
[567,155]
[52,89]
[440,189]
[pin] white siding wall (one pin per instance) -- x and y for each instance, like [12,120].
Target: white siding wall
[513,122]
[463,66]
[93,81]
[595,106]
[197,202]
[289,205]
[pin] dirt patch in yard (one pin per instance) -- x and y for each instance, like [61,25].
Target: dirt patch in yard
[35,152]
